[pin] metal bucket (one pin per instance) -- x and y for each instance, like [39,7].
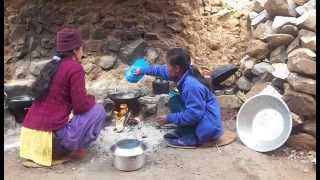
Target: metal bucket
[264,122]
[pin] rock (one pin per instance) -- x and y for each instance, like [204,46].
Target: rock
[94,45]
[88,67]
[133,50]
[296,120]
[8,120]
[85,32]
[280,21]
[300,2]
[289,29]
[302,84]
[98,88]
[152,55]
[300,103]
[258,5]
[302,60]
[280,8]
[293,45]
[279,55]
[244,84]
[18,87]
[149,99]
[309,42]
[261,17]
[264,77]
[149,109]
[247,62]
[99,33]
[151,36]
[309,20]
[47,43]
[306,33]
[261,68]
[277,83]
[256,89]
[114,45]
[176,27]
[229,101]
[310,127]
[310,5]
[163,104]
[280,71]
[257,49]
[263,30]
[36,67]
[106,62]
[302,141]
[276,40]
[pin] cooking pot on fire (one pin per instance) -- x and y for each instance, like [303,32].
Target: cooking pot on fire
[128,154]
[129,98]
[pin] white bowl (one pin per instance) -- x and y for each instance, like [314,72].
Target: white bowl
[264,123]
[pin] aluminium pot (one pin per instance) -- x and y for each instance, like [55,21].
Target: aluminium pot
[128,154]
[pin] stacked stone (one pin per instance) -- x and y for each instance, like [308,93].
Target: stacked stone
[281,52]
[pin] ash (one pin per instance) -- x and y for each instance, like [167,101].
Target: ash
[145,132]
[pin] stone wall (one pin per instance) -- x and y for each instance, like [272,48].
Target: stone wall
[212,31]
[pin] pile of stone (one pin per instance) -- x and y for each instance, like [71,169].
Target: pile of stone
[281,52]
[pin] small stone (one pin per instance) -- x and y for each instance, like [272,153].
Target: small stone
[293,45]
[258,5]
[133,50]
[280,21]
[263,30]
[302,84]
[309,20]
[106,62]
[280,71]
[151,36]
[261,17]
[94,45]
[257,49]
[278,84]
[261,68]
[296,119]
[289,29]
[302,60]
[149,109]
[276,40]
[300,2]
[279,55]
[152,55]
[36,67]
[149,99]
[256,89]
[244,84]
[247,63]
[310,127]
[229,101]
[302,141]
[309,42]
[176,27]
[280,8]
[310,5]
[306,33]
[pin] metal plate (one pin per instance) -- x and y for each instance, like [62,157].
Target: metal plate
[264,123]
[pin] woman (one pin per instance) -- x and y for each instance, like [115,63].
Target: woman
[47,131]
[200,119]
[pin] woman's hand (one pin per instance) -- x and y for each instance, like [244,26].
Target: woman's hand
[162,120]
[137,71]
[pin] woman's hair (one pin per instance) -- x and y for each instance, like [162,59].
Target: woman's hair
[41,85]
[180,57]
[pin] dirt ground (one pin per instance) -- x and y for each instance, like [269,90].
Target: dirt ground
[234,161]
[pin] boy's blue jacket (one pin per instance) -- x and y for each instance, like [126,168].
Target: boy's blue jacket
[202,108]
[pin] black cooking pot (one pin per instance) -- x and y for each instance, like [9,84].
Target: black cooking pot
[18,106]
[160,86]
[129,98]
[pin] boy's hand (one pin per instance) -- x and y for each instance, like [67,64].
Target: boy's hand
[162,120]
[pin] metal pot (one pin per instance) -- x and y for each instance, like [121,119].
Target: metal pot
[18,106]
[128,154]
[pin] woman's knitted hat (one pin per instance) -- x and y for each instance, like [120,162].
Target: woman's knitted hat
[68,39]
